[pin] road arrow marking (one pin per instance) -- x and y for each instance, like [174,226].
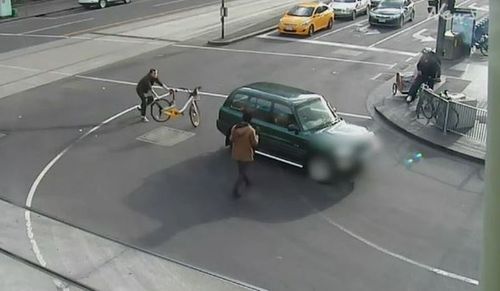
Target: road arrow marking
[418,35]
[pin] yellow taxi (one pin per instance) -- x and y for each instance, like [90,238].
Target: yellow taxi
[306,18]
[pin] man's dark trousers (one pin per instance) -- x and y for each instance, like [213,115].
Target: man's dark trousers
[242,177]
[145,101]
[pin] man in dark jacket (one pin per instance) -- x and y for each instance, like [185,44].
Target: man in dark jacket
[144,90]
[428,67]
[244,140]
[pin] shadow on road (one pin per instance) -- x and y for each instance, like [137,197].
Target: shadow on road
[198,191]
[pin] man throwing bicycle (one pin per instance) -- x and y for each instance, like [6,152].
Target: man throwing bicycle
[144,90]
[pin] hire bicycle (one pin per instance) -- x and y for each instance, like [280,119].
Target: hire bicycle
[162,109]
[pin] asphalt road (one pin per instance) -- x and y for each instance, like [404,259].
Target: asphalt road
[37,30]
[386,230]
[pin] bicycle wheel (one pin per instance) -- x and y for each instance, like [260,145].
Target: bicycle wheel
[194,114]
[157,108]
[483,48]
[428,108]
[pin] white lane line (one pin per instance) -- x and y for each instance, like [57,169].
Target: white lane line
[282,55]
[223,96]
[355,115]
[342,45]
[409,59]
[39,178]
[168,3]
[359,23]
[100,38]
[376,76]
[392,254]
[411,27]
[58,25]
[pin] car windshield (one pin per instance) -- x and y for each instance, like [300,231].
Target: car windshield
[301,11]
[344,1]
[390,4]
[316,114]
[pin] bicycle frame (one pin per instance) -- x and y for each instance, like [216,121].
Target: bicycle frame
[193,97]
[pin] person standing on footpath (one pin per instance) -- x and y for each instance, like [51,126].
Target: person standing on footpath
[244,141]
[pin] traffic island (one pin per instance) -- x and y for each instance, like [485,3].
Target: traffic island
[395,110]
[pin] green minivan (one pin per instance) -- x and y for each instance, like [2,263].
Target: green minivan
[298,127]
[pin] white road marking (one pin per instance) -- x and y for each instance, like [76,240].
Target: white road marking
[282,55]
[423,38]
[359,23]
[392,254]
[355,115]
[409,59]
[168,3]
[39,178]
[411,27]
[342,45]
[58,25]
[376,76]
[100,38]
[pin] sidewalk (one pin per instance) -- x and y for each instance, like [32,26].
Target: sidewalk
[29,8]
[56,253]
[469,76]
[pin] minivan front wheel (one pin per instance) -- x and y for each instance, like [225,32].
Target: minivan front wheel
[319,169]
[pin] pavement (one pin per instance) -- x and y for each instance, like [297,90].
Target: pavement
[78,260]
[74,150]
[469,76]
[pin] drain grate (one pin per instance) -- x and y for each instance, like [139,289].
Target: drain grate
[166,136]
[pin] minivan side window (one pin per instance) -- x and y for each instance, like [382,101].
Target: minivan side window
[283,115]
[240,101]
[262,110]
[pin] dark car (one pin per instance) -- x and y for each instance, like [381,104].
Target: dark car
[298,127]
[392,13]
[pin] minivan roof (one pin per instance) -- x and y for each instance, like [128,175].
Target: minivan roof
[280,91]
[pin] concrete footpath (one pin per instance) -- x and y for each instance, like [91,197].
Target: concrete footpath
[469,76]
[34,66]
[39,253]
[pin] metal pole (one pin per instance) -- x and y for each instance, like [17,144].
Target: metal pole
[490,263]
[222,18]
[446,116]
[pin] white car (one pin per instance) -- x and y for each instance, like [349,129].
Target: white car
[100,3]
[349,8]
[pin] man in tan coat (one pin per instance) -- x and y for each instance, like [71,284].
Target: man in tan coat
[244,141]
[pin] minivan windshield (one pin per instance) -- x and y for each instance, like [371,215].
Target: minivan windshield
[316,114]
[301,11]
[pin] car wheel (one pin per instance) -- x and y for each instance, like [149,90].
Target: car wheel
[353,15]
[103,4]
[401,21]
[330,24]
[311,30]
[319,169]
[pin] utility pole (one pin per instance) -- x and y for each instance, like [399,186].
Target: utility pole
[223,14]
[490,263]
[445,10]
